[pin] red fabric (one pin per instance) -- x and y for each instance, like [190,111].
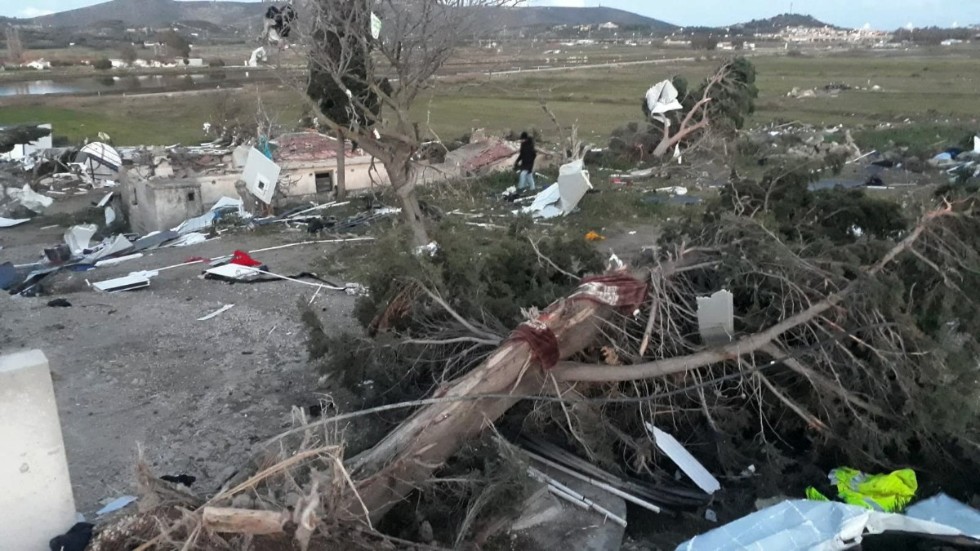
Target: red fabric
[541,339]
[619,290]
[243,259]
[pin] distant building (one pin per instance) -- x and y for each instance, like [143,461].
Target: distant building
[609,26]
[37,64]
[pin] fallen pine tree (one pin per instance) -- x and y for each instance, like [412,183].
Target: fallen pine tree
[821,337]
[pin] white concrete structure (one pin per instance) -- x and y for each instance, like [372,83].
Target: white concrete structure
[36,501]
[38,65]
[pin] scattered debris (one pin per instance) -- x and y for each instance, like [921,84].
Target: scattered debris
[356,290]
[28,199]
[943,509]
[716,318]
[78,238]
[76,538]
[673,190]
[431,249]
[683,459]
[232,273]
[561,198]
[182,479]
[594,236]
[115,505]
[131,282]
[828,525]
[8,276]
[59,303]
[217,312]
[651,498]
[117,260]
[261,175]
[11,222]
[226,206]
[564,492]
[882,492]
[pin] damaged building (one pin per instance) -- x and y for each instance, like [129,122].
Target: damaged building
[184,183]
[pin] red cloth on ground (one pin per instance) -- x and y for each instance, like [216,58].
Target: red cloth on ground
[243,259]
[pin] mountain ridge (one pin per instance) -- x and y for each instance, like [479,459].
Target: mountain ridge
[162,13]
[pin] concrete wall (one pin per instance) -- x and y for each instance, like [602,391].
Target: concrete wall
[361,176]
[163,204]
[217,186]
[37,502]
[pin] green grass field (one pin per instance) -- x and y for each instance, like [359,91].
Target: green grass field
[936,87]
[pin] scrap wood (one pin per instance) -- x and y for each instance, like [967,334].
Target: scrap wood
[250,482]
[226,520]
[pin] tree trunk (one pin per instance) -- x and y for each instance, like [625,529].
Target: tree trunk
[412,452]
[341,191]
[401,174]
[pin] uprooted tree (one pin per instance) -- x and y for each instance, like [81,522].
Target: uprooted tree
[719,105]
[857,345]
[369,62]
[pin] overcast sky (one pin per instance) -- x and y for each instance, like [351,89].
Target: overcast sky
[882,14]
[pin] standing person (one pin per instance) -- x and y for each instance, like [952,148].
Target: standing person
[525,163]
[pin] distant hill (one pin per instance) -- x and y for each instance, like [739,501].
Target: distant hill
[527,17]
[782,21]
[163,13]
[157,13]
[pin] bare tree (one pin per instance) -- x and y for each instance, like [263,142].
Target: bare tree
[128,54]
[15,50]
[370,60]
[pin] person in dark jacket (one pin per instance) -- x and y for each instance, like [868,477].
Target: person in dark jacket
[525,163]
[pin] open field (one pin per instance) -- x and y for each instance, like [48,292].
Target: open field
[937,87]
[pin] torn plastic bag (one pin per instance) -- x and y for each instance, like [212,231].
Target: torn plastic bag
[563,196]
[943,509]
[29,199]
[814,526]
[662,98]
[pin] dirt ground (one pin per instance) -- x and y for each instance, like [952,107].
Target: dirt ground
[137,368]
